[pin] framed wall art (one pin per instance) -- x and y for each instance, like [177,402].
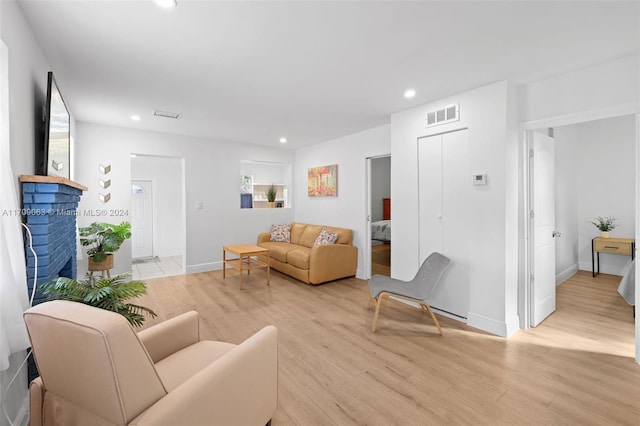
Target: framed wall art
[323,181]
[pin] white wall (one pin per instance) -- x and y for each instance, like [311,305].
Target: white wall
[267,173]
[566,200]
[28,87]
[212,171]
[348,209]
[487,113]
[27,91]
[166,175]
[606,170]
[380,185]
[613,84]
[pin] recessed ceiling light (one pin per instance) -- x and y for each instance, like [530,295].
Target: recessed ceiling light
[166,4]
[135,117]
[283,140]
[410,93]
[133,155]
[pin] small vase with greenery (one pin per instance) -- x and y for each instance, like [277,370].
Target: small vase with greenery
[605,225]
[271,195]
[111,294]
[104,239]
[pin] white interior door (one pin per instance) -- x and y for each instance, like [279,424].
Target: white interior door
[141,218]
[445,185]
[367,247]
[430,198]
[457,183]
[543,247]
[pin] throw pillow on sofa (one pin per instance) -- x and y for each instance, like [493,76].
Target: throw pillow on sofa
[281,233]
[326,237]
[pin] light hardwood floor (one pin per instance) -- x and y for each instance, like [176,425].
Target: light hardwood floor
[577,367]
[381,259]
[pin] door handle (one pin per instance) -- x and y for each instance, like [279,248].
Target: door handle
[556,234]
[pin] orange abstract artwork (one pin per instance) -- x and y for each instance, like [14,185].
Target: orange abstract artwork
[323,181]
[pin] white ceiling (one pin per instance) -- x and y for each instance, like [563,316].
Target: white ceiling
[252,72]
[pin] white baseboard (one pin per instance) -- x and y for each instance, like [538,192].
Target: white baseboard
[513,326]
[564,275]
[434,309]
[167,254]
[604,268]
[499,328]
[448,315]
[204,267]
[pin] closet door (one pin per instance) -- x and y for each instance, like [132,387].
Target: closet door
[430,198]
[444,208]
[457,183]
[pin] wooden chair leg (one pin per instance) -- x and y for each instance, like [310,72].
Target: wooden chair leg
[375,316]
[371,302]
[427,308]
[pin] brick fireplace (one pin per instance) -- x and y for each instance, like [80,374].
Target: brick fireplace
[50,206]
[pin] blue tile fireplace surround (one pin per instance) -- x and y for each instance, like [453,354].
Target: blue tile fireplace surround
[50,206]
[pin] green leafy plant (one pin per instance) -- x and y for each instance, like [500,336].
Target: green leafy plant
[104,238]
[271,193]
[605,224]
[105,293]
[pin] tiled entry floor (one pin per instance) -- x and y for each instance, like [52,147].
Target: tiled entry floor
[155,267]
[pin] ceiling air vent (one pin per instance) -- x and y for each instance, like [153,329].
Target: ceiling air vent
[166,114]
[443,115]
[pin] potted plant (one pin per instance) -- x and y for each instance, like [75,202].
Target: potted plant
[271,195]
[605,225]
[103,239]
[106,293]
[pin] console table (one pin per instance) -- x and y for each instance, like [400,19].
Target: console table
[625,246]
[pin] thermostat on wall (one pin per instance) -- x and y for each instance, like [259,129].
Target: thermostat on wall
[480,179]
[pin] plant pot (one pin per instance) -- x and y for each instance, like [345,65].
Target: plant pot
[105,265]
[605,234]
[272,204]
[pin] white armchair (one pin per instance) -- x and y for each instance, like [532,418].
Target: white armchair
[95,369]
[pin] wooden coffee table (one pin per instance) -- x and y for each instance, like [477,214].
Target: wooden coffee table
[246,259]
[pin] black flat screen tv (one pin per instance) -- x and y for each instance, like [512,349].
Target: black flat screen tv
[55,153]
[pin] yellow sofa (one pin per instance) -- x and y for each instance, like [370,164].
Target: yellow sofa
[309,263]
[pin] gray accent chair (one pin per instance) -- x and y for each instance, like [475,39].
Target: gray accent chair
[420,289]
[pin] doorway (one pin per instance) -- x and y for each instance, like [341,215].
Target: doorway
[157,216]
[596,170]
[377,253]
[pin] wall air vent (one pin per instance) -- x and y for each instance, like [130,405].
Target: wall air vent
[443,115]
[166,114]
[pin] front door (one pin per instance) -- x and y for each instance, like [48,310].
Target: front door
[141,219]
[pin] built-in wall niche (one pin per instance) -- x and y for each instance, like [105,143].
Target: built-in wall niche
[256,177]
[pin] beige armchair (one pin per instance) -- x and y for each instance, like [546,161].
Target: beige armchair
[96,370]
